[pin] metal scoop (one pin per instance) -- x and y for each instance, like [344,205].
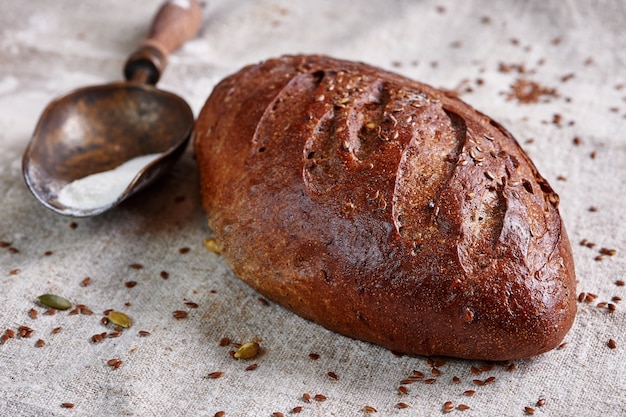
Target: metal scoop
[96,129]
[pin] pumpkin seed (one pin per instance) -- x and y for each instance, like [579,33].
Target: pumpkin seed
[54,301]
[120,319]
[247,350]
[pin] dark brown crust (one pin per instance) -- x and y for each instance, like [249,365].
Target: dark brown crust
[384,210]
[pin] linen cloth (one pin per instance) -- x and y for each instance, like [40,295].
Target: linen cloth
[566,59]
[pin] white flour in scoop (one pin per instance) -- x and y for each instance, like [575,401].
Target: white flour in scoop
[103,188]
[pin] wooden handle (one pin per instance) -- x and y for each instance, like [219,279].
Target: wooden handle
[176,22]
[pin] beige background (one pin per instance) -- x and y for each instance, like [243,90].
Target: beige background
[48,48]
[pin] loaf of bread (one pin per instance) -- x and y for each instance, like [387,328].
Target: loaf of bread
[385,210]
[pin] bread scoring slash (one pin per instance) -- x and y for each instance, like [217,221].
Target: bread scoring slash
[384,210]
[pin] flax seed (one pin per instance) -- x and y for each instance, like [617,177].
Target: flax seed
[403,390]
[297,409]
[130,284]
[85,282]
[180,314]
[402,405]
[332,375]
[314,356]
[136,266]
[278,414]
[306,397]
[370,409]
[430,381]
[40,343]
[319,397]
[67,405]
[462,407]
[469,393]
[32,313]
[220,414]
[529,410]
[541,402]
[50,312]
[143,333]
[165,275]
[215,375]
[56,330]
[448,406]
[612,344]
[252,367]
